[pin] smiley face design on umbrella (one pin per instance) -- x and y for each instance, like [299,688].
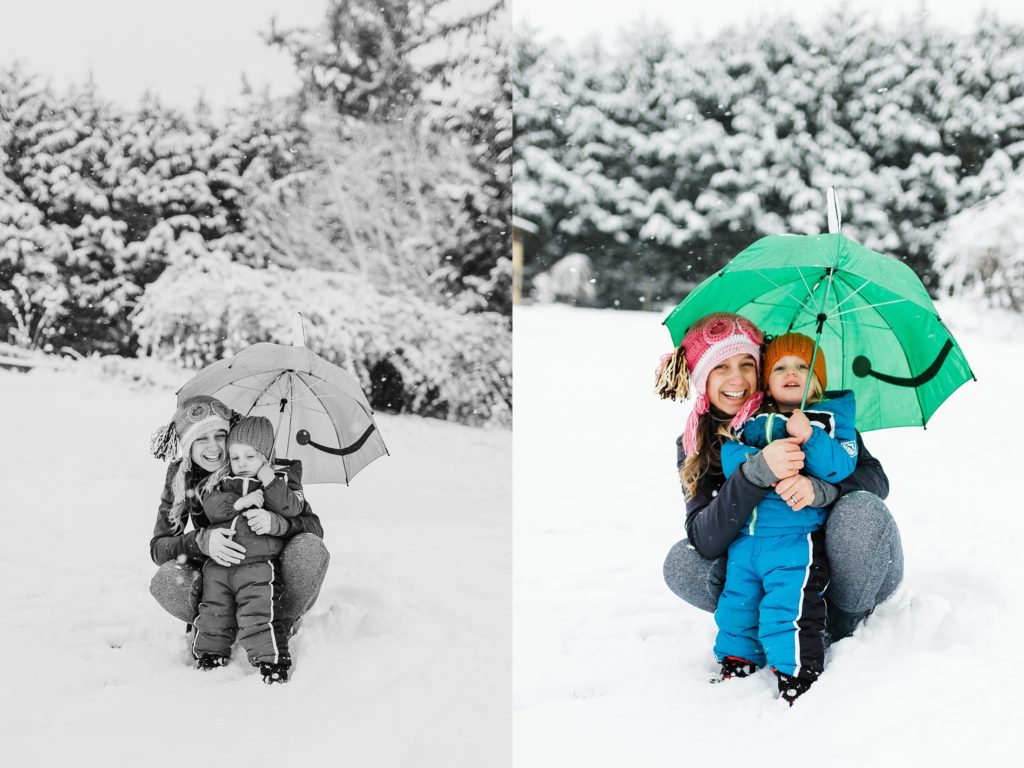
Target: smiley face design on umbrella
[869,314]
[302,437]
[320,414]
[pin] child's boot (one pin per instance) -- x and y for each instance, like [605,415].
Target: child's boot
[791,688]
[275,673]
[208,661]
[734,666]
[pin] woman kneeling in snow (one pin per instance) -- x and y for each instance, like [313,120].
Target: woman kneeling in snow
[861,538]
[195,440]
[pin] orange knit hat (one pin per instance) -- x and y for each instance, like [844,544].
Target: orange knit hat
[793,344]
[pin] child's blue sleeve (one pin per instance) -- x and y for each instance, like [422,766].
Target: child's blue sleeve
[832,458]
[734,454]
[764,428]
[754,431]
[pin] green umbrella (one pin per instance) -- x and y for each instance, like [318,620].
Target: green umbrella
[873,319]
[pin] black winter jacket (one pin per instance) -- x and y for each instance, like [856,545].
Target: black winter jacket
[169,543]
[720,507]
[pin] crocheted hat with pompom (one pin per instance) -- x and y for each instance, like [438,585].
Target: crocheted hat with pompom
[193,419]
[710,341]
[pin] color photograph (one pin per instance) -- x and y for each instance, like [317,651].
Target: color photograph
[771,279]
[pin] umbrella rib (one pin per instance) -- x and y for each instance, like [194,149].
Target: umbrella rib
[341,441]
[850,296]
[794,298]
[868,306]
[810,291]
[866,325]
[264,391]
[342,393]
[258,390]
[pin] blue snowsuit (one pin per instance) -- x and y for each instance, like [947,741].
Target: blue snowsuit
[772,608]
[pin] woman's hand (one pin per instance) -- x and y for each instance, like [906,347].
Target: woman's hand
[784,457]
[797,491]
[799,426]
[260,520]
[223,549]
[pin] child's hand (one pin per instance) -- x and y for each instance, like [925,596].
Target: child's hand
[254,499]
[799,426]
[265,475]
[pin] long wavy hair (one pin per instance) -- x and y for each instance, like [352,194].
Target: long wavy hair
[712,431]
[214,479]
[180,491]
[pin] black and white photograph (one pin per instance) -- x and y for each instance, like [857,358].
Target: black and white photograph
[255,350]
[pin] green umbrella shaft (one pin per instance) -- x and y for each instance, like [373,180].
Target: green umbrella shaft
[817,340]
[810,372]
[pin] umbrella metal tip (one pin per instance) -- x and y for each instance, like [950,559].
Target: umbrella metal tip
[298,331]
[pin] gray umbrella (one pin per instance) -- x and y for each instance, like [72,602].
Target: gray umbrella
[319,412]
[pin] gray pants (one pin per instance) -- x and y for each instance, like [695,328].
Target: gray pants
[178,587]
[864,551]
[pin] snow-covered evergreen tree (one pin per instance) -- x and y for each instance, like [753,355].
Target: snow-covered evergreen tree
[440,362]
[661,162]
[980,256]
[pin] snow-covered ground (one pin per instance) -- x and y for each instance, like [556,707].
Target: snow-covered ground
[610,667]
[405,659]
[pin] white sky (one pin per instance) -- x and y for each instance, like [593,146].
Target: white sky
[178,49]
[183,48]
[573,20]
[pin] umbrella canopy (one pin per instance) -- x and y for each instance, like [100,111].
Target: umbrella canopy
[876,325]
[319,412]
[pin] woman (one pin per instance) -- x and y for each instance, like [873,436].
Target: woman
[196,441]
[861,537]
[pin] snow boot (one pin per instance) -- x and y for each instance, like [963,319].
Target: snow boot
[734,666]
[209,661]
[791,688]
[275,673]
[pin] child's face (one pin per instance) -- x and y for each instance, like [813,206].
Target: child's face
[787,379]
[245,460]
[732,383]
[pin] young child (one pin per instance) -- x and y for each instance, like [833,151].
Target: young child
[246,598]
[772,608]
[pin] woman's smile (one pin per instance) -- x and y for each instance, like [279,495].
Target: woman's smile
[209,451]
[732,383]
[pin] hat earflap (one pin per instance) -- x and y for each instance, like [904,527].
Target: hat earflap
[163,443]
[673,377]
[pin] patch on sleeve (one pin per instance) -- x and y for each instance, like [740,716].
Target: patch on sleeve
[850,446]
[302,499]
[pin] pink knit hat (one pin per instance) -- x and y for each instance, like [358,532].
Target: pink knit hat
[710,341]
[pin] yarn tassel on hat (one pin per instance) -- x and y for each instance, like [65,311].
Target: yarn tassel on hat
[749,409]
[163,444]
[690,431]
[672,379]
[703,405]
